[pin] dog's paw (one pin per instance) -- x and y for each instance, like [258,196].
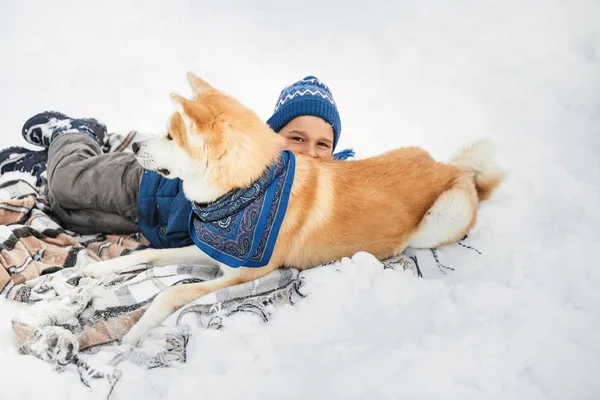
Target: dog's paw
[93,271]
[53,344]
[134,336]
[103,268]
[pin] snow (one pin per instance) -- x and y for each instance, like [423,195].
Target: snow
[519,321]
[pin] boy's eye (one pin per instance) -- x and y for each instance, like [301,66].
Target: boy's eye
[298,139]
[169,136]
[324,145]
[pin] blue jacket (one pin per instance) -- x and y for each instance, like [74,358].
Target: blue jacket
[163,211]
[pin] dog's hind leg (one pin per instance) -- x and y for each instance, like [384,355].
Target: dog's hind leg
[171,299]
[450,217]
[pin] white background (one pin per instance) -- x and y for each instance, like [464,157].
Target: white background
[521,321]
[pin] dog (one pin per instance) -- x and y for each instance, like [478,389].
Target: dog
[335,209]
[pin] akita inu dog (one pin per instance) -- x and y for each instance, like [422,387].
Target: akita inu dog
[257,208]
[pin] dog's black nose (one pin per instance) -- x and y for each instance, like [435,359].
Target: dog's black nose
[136,147]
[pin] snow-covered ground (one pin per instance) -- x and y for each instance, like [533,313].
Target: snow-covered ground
[521,321]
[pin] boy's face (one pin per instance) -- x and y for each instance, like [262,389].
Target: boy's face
[308,135]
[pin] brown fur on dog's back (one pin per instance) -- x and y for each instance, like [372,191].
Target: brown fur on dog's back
[340,208]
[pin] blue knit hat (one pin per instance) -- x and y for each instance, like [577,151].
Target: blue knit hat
[309,96]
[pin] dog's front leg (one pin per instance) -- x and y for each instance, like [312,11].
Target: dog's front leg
[171,299]
[183,255]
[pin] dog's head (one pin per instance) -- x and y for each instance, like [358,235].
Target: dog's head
[213,143]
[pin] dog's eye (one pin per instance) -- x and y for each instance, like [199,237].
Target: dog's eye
[169,136]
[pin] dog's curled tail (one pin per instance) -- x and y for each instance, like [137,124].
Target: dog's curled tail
[477,160]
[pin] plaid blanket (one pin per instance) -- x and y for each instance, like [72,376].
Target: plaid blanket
[76,322]
[80,314]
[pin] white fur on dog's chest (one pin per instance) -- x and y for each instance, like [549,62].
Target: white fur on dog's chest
[200,191]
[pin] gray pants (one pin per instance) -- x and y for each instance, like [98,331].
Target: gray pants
[89,191]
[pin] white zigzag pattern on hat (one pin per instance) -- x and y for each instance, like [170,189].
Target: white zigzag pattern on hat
[302,93]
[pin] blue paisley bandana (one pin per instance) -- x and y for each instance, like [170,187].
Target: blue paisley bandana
[240,228]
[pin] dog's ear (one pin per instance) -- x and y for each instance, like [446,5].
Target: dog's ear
[181,104]
[192,113]
[198,85]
